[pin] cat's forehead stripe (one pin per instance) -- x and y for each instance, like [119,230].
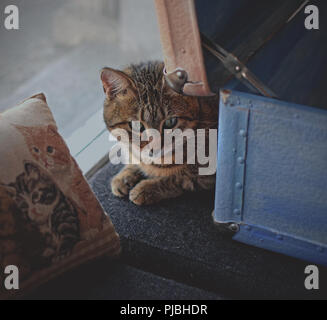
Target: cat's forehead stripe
[148,81]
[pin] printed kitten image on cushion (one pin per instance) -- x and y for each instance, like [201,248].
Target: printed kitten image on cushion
[139,94]
[21,243]
[49,151]
[46,146]
[48,209]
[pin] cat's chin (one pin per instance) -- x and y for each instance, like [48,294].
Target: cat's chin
[167,166]
[164,170]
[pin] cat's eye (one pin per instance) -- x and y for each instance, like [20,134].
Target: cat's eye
[35,197]
[170,123]
[50,149]
[136,124]
[36,150]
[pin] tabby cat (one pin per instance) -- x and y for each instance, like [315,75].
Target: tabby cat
[139,94]
[43,204]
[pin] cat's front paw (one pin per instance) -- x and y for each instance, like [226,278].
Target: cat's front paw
[122,183]
[49,253]
[143,194]
[119,188]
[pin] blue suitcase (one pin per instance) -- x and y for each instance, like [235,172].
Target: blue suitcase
[272,154]
[272,175]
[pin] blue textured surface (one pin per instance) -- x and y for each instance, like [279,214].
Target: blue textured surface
[273,156]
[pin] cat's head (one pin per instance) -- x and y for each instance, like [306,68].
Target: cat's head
[140,94]
[46,146]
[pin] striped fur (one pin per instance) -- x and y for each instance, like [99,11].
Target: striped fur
[139,93]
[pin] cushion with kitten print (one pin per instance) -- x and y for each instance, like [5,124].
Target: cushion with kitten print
[50,220]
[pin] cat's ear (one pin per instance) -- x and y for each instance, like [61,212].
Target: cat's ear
[40,96]
[52,130]
[10,190]
[32,171]
[115,82]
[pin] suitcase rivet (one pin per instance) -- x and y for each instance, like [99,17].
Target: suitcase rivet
[239,185]
[241,160]
[234,227]
[237,212]
[243,133]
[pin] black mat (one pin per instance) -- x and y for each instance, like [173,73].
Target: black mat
[177,239]
[104,280]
